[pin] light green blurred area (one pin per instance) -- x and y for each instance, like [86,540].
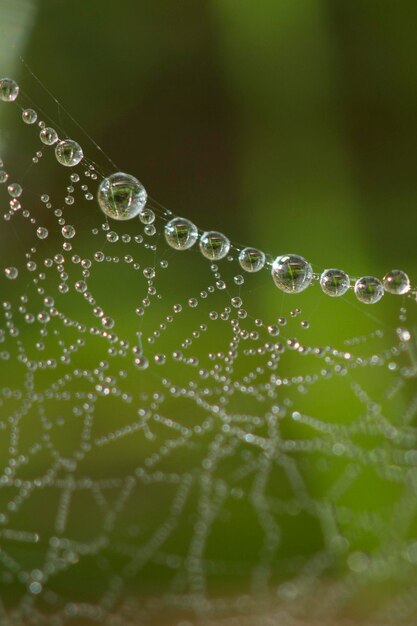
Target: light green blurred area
[288,125]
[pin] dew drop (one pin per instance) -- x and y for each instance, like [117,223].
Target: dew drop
[15,190]
[180,233]
[42,232]
[396,282]
[68,231]
[251,259]
[121,196]
[112,236]
[368,289]
[292,273]
[68,153]
[11,272]
[9,89]
[48,136]
[29,116]
[334,282]
[214,245]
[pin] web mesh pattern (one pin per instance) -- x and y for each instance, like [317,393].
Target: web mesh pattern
[178,437]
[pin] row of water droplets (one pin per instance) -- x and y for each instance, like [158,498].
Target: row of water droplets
[122,197]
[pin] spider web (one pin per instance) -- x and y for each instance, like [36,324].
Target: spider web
[179,441]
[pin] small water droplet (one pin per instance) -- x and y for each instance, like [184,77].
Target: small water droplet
[29,116]
[251,259]
[11,272]
[68,153]
[42,232]
[9,89]
[48,136]
[68,231]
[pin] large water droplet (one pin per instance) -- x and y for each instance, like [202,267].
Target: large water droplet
[9,89]
[214,245]
[292,273]
[68,153]
[334,282]
[68,231]
[396,282]
[251,259]
[121,196]
[48,136]
[180,233]
[42,232]
[369,289]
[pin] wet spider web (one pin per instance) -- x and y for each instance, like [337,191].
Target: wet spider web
[179,438]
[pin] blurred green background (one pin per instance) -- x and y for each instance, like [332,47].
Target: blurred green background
[290,126]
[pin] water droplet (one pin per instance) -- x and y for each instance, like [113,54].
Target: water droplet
[292,273]
[3,176]
[251,259]
[15,190]
[180,233]
[42,232]
[121,196]
[334,282]
[9,89]
[214,245]
[368,289]
[147,216]
[29,116]
[81,286]
[48,136]
[11,272]
[68,231]
[112,236]
[68,153]
[396,282]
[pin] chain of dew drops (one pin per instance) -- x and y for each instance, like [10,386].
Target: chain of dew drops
[122,197]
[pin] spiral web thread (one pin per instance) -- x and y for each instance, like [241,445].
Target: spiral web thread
[179,439]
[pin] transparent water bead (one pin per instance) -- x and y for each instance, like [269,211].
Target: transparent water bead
[29,116]
[369,289]
[68,153]
[180,233]
[334,282]
[42,232]
[68,231]
[9,89]
[214,245]
[121,196]
[251,259]
[15,190]
[11,272]
[396,282]
[48,136]
[291,273]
